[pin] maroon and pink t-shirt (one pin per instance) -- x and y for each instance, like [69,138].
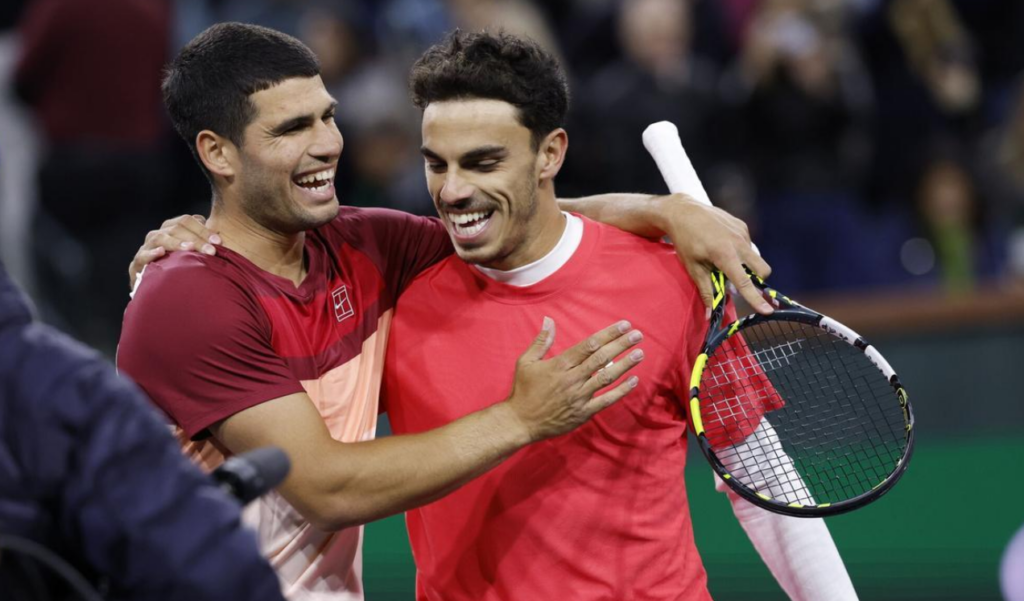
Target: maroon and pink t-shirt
[207,337]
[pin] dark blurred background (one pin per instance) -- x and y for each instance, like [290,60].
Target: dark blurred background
[875,148]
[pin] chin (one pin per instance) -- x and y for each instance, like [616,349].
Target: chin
[485,256]
[322,216]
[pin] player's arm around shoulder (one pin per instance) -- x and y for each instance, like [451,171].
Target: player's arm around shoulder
[705,237]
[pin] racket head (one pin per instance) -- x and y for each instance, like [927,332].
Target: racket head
[799,393]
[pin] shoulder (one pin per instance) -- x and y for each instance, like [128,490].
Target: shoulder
[357,225]
[614,241]
[194,275]
[637,258]
[194,289]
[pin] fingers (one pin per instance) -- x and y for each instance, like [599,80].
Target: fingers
[752,294]
[734,270]
[600,359]
[541,344]
[583,350]
[701,276]
[192,228]
[610,374]
[142,258]
[187,232]
[757,264]
[600,403]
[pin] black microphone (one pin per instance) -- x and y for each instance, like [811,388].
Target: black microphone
[251,475]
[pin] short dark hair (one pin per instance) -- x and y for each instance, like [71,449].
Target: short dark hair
[209,84]
[496,66]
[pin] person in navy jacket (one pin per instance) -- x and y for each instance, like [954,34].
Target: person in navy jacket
[90,473]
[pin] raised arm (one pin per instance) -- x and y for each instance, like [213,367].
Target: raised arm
[336,485]
[705,237]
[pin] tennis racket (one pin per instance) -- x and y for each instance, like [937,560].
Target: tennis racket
[796,412]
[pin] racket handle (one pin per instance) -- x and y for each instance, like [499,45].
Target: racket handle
[661,140]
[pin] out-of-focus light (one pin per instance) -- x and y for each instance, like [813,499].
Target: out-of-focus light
[917,256]
[1016,249]
[1011,571]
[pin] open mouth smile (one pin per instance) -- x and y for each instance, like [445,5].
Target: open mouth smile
[321,181]
[468,225]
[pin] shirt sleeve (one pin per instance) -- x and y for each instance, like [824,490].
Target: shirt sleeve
[406,244]
[199,344]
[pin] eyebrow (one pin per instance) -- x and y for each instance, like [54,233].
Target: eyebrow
[300,121]
[473,155]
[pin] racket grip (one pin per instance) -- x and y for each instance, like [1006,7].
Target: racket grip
[661,140]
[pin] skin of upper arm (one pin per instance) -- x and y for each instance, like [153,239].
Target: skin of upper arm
[293,424]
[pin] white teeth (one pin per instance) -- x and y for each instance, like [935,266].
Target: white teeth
[320,176]
[464,218]
[473,229]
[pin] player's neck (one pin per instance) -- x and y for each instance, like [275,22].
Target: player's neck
[276,253]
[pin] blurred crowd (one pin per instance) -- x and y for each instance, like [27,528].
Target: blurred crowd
[867,143]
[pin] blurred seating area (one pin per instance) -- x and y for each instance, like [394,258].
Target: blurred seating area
[867,143]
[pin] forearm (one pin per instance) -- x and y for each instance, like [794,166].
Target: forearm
[640,214]
[370,480]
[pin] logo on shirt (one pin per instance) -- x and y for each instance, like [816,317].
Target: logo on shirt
[342,304]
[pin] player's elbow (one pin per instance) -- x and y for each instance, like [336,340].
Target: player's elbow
[334,512]
[329,517]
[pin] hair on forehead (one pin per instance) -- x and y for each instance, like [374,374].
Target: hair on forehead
[497,66]
[209,85]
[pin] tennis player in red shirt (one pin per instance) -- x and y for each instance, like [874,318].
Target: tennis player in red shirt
[601,512]
[278,336]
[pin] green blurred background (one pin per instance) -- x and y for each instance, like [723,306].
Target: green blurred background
[939,534]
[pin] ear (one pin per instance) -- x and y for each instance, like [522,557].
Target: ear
[551,154]
[217,153]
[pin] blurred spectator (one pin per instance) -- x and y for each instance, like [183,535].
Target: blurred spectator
[996,28]
[922,61]
[193,16]
[658,78]
[1004,154]
[518,17]
[10,12]
[958,245]
[380,166]
[91,71]
[17,154]
[806,104]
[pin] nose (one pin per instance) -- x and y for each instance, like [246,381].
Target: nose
[328,143]
[456,188]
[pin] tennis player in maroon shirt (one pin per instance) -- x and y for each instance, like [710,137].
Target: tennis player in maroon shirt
[278,336]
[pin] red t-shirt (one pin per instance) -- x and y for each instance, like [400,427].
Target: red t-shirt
[207,337]
[600,513]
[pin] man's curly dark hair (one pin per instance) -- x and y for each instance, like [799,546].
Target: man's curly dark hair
[497,66]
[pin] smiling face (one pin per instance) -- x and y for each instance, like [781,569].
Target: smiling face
[285,168]
[490,187]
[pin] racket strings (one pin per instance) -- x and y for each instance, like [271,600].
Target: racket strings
[799,415]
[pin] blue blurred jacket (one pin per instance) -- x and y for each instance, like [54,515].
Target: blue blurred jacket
[88,470]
